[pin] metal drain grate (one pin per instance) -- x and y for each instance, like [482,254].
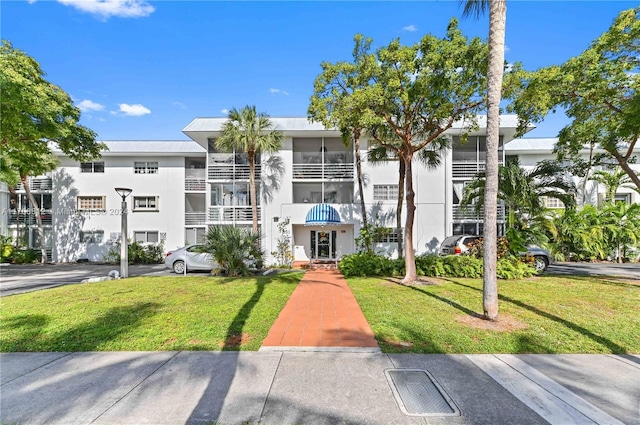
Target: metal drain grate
[418,394]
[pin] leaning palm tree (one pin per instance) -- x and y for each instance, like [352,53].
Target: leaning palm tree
[497,24]
[611,180]
[522,191]
[252,133]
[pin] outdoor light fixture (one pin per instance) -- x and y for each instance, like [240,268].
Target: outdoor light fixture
[124,252]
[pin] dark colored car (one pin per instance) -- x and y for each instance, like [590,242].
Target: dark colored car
[457,244]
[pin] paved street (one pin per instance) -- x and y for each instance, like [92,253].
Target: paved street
[20,278]
[624,270]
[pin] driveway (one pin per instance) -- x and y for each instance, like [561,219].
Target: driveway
[624,270]
[20,278]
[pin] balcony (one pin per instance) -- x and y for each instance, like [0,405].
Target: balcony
[468,169]
[470,214]
[323,171]
[195,185]
[37,184]
[28,217]
[231,172]
[195,218]
[231,214]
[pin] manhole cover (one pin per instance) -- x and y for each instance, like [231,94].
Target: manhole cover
[418,394]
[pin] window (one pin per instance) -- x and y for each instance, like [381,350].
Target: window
[622,197]
[146,236]
[553,203]
[385,192]
[390,236]
[92,236]
[145,203]
[143,167]
[92,167]
[90,203]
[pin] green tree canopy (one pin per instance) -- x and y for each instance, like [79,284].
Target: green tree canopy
[35,117]
[599,90]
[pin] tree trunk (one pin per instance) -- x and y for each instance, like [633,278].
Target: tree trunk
[252,189]
[36,211]
[363,207]
[627,169]
[401,179]
[497,23]
[410,274]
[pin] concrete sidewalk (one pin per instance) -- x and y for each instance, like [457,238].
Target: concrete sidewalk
[312,388]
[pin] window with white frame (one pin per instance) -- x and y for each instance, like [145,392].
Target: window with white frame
[145,167]
[385,192]
[145,203]
[90,203]
[92,167]
[553,202]
[622,197]
[92,236]
[390,236]
[146,236]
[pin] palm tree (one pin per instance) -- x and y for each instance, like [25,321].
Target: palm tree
[497,24]
[252,133]
[621,222]
[522,191]
[611,180]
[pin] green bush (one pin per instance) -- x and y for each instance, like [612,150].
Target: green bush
[25,256]
[367,264]
[137,253]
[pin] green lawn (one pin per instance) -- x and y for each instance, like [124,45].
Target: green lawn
[146,313]
[537,315]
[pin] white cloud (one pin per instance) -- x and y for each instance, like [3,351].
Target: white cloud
[134,110]
[506,48]
[410,28]
[108,8]
[278,91]
[89,105]
[224,111]
[180,105]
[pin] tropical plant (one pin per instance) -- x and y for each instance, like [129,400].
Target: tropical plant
[621,223]
[34,116]
[522,192]
[234,249]
[611,180]
[283,254]
[251,132]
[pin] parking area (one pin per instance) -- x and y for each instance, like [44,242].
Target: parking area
[20,278]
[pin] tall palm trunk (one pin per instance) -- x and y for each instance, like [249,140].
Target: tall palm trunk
[363,207]
[36,210]
[410,274]
[497,23]
[252,189]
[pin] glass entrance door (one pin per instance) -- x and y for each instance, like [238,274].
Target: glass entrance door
[323,244]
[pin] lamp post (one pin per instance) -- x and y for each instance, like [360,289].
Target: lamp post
[124,253]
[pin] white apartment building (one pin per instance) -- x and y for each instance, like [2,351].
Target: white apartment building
[179,188]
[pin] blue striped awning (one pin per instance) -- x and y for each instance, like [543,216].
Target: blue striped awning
[322,215]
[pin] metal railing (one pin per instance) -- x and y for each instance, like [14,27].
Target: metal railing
[467,169]
[323,171]
[231,214]
[195,218]
[28,217]
[470,214]
[193,184]
[231,172]
[37,184]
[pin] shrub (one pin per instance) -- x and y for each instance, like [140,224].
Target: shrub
[235,249]
[367,264]
[137,253]
[25,256]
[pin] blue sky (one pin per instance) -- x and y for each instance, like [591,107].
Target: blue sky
[143,70]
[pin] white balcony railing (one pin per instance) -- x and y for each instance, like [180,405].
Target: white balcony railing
[468,170]
[195,218]
[28,217]
[231,214]
[469,213]
[320,171]
[231,172]
[193,184]
[37,184]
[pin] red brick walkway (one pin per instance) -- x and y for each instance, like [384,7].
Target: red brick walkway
[322,314]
